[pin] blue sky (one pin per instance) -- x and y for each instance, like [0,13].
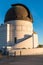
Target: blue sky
[36,9]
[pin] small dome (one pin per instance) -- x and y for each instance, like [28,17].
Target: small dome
[18,12]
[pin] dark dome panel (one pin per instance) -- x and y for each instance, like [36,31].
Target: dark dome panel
[18,12]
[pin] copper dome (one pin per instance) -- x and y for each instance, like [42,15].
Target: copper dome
[18,12]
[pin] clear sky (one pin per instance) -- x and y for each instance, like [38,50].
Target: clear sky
[36,9]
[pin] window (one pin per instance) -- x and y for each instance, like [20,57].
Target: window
[15,40]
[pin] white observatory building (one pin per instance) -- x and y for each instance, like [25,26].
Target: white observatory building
[17,30]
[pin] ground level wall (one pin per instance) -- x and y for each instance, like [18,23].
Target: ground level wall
[35,51]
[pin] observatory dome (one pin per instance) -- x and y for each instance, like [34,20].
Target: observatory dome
[18,12]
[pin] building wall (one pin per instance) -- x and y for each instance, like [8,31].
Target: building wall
[22,26]
[22,30]
[35,41]
[25,44]
[3,35]
[20,52]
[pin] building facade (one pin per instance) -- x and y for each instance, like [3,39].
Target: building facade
[17,30]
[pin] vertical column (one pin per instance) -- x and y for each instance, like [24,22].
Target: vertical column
[33,39]
[8,34]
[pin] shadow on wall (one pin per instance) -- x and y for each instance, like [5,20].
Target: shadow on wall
[22,39]
[19,40]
